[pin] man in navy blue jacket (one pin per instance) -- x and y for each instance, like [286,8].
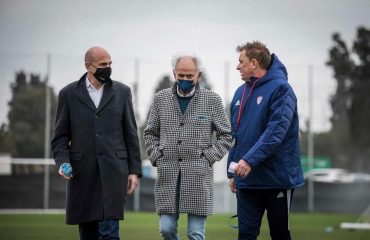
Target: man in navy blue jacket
[264,166]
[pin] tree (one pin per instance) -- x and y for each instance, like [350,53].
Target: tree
[165,82]
[351,101]
[204,82]
[4,139]
[360,101]
[27,116]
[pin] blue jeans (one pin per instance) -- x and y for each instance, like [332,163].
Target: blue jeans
[168,226]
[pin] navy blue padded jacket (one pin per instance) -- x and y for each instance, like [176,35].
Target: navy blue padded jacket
[268,133]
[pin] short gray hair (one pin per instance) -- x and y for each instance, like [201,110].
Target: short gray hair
[176,58]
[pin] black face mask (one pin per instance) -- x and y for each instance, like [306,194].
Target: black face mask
[103,74]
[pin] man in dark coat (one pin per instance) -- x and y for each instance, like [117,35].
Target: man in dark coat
[96,148]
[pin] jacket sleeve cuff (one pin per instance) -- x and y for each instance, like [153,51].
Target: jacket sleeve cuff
[250,160]
[208,156]
[154,156]
[139,175]
[62,157]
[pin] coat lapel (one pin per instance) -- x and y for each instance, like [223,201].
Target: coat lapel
[83,95]
[108,93]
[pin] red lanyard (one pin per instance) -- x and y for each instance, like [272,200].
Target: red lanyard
[240,113]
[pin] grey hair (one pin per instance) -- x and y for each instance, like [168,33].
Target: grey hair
[176,58]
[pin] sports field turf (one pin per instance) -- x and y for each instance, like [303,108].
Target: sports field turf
[141,225]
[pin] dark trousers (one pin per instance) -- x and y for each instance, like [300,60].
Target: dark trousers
[106,229]
[252,204]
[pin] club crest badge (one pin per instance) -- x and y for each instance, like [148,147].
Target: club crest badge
[259,100]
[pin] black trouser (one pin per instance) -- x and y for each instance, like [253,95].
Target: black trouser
[252,204]
[106,229]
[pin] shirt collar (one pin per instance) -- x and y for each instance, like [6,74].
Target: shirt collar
[90,86]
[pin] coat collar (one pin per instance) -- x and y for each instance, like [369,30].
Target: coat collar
[82,93]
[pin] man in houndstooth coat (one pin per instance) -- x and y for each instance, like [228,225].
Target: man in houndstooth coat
[179,143]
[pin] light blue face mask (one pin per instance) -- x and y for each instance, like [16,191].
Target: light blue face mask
[185,85]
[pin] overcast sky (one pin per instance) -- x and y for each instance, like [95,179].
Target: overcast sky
[299,32]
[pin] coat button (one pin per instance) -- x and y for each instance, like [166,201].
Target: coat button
[180,159]
[96,116]
[181,124]
[179,142]
[98,134]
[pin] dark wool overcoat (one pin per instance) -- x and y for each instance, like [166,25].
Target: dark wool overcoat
[102,146]
[181,145]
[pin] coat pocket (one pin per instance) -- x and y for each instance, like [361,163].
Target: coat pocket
[121,154]
[201,122]
[76,156]
[201,130]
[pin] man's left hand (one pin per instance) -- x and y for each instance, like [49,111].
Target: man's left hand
[242,169]
[133,183]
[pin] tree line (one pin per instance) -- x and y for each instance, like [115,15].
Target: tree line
[347,143]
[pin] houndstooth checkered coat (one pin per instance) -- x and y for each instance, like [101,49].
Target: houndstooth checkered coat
[182,144]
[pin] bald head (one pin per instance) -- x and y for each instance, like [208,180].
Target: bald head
[94,54]
[186,67]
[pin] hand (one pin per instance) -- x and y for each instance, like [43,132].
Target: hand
[242,169]
[133,182]
[232,185]
[63,169]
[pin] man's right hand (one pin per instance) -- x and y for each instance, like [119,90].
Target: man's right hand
[65,170]
[232,185]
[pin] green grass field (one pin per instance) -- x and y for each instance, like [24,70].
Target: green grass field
[145,226]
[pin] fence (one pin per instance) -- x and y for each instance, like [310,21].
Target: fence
[27,190]
[36,188]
